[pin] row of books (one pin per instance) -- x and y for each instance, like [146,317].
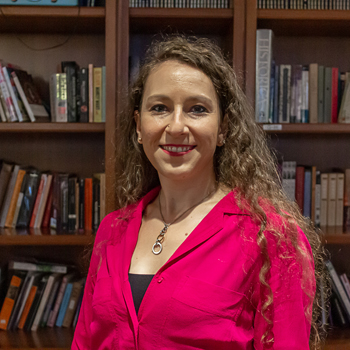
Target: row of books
[304,4]
[40,295]
[222,4]
[298,93]
[78,94]
[340,300]
[323,197]
[62,202]
[19,97]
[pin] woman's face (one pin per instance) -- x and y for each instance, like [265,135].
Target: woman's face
[179,124]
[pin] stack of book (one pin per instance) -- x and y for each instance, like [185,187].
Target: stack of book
[340,299]
[298,93]
[304,4]
[59,201]
[222,4]
[78,94]
[40,295]
[19,97]
[323,197]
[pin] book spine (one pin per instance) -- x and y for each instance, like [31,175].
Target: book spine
[9,301]
[345,281]
[313,98]
[64,305]
[327,95]
[88,204]
[81,204]
[54,95]
[64,202]
[97,95]
[320,93]
[103,95]
[332,196]
[62,102]
[71,75]
[339,210]
[71,206]
[305,95]
[91,92]
[318,199]
[307,193]
[264,39]
[19,201]
[48,208]
[53,314]
[25,266]
[84,96]
[55,218]
[7,98]
[324,199]
[27,307]
[38,199]
[299,187]
[43,202]
[335,73]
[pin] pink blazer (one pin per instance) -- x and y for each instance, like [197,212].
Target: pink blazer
[207,296]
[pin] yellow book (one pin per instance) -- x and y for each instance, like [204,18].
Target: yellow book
[97,94]
[13,203]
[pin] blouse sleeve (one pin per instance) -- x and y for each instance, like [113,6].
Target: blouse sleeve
[292,281]
[82,334]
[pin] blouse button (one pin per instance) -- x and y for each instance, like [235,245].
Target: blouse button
[160,280]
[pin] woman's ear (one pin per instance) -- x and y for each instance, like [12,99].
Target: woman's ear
[138,125]
[223,131]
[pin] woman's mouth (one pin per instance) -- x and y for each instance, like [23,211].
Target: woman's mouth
[177,150]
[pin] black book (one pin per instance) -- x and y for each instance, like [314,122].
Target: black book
[30,192]
[40,283]
[64,201]
[96,204]
[81,203]
[72,217]
[83,93]
[71,69]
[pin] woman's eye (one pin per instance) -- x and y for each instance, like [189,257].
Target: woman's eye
[199,109]
[158,108]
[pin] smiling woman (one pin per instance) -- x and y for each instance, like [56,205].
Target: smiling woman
[205,250]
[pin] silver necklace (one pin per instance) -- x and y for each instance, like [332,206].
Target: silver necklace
[157,246]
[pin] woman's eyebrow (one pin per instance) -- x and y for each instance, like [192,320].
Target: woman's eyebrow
[191,98]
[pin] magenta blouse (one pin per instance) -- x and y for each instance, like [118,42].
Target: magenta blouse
[207,295]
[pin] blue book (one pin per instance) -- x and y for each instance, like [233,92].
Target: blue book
[307,192]
[64,304]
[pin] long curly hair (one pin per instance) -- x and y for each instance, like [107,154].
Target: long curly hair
[244,162]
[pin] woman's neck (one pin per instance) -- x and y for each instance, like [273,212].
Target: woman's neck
[178,196]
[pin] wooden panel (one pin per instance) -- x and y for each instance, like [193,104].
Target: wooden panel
[194,21]
[52,127]
[49,19]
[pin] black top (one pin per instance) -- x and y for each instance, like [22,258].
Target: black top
[139,285]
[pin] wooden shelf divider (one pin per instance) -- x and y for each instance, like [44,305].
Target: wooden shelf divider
[52,127]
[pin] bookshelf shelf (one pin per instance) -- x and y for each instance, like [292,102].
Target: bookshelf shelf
[43,339]
[52,127]
[52,19]
[306,128]
[27,237]
[197,21]
[304,22]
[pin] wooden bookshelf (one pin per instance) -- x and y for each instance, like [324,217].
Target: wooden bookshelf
[52,127]
[301,128]
[52,19]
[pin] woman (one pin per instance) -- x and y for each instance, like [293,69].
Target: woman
[205,237]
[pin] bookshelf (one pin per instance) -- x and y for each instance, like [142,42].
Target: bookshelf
[304,37]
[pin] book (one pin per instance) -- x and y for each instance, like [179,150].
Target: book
[324,199]
[27,306]
[88,204]
[20,199]
[32,96]
[327,95]
[288,179]
[103,95]
[101,177]
[346,215]
[54,312]
[14,198]
[38,199]
[46,293]
[331,199]
[39,267]
[50,301]
[97,94]
[12,117]
[313,193]
[320,94]
[64,202]
[5,176]
[9,192]
[48,208]
[307,191]
[95,203]
[72,217]
[72,303]
[30,192]
[91,92]
[335,75]
[70,68]
[344,110]
[318,199]
[284,93]
[313,98]
[83,88]
[43,201]
[64,304]
[305,95]
[339,206]
[10,299]
[299,187]
[264,42]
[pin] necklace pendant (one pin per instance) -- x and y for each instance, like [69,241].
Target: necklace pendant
[157,248]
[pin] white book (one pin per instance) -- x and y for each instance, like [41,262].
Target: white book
[288,179]
[324,199]
[12,94]
[43,200]
[339,210]
[344,279]
[23,97]
[20,265]
[50,282]
[264,39]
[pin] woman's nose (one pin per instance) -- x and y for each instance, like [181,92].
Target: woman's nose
[177,123]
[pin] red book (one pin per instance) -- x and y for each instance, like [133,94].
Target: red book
[47,212]
[335,79]
[299,187]
[88,204]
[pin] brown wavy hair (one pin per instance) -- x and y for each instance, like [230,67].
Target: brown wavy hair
[244,162]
